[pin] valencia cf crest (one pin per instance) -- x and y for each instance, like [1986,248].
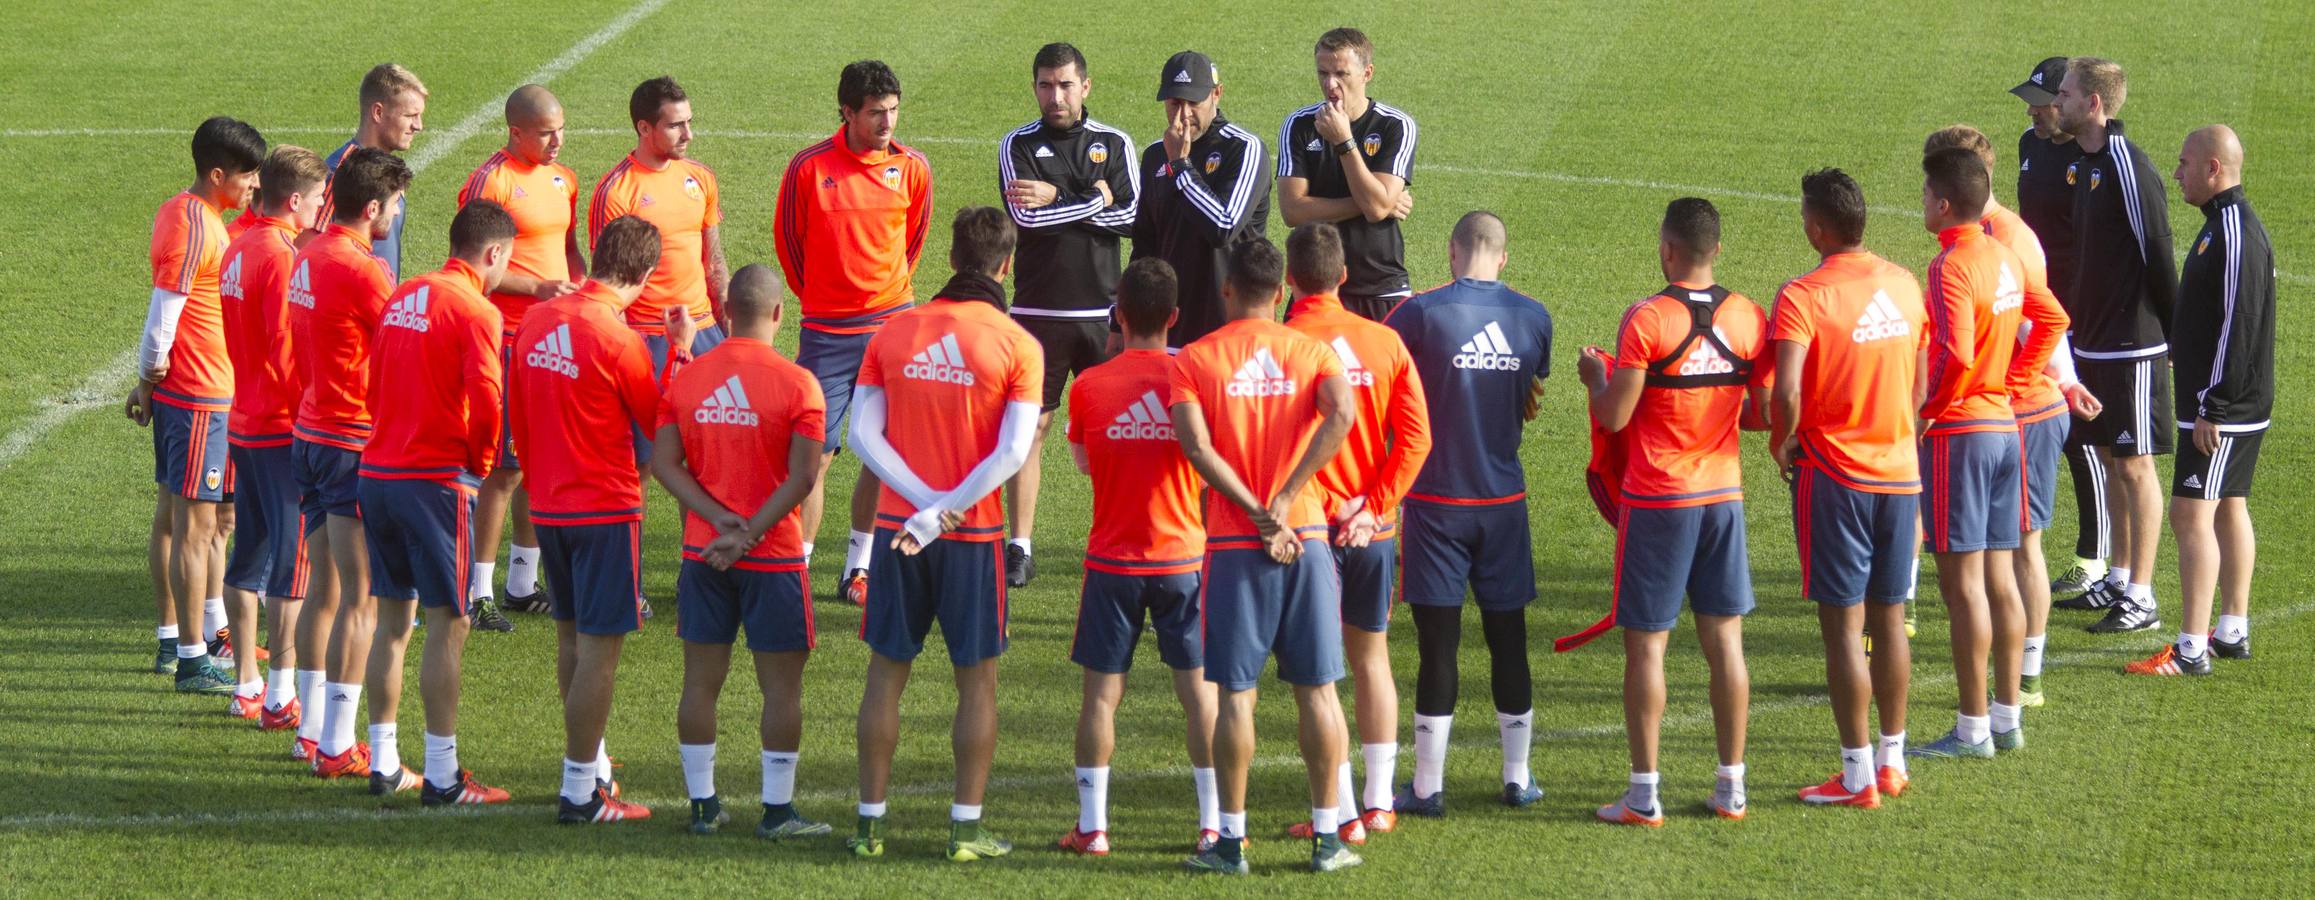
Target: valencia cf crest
[691,188]
[1373,144]
[2070,168]
[2094,178]
[561,185]
[892,177]
[1213,161]
[1098,153]
[2202,245]
[213,479]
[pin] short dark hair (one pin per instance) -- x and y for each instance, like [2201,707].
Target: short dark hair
[1693,225]
[626,251]
[224,142]
[1058,54]
[650,96]
[1256,268]
[1836,202]
[1314,257]
[365,176]
[289,170]
[479,224]
[754,293]
[981,238]
[1350,39]
[1147,295]
[1958,177]
[864,79]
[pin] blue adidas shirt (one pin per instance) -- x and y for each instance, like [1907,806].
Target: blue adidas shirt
[388,248]
[1477,345]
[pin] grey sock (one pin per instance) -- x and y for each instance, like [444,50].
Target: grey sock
[1728,794]
[1640,798]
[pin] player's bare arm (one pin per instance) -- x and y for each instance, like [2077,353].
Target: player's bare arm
[1615,393]
[1784,409]
[1198,444]
[718,272]
[673,471]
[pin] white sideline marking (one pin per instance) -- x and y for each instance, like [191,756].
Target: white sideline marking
[840,796]
[102,386]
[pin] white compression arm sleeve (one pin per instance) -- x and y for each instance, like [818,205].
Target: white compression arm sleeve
[160,329]
[877,454]
[1014,436]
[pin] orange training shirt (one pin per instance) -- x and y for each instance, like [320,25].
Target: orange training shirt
[948,369]
[1146,519]
[2034,393]
[336,294]
[255,287]
[1683,441]
[1863,323]
[681,201]
[1976,292]
[581,382]
[738,408]
[544,201]
[1391,436]
[1256,386]
[188,258]
[849,229]
[435,380]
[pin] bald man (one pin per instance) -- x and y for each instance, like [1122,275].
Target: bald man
[2222,350]
[543,196]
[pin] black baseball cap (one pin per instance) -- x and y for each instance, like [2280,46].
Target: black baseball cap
[1188,75]
[2041,88]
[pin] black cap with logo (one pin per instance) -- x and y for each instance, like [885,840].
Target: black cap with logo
[1188,75]
[2041,88]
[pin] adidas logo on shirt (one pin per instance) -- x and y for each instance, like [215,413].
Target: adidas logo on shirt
[554,353]
[410,311]
[1351,368]
[230,283]
[1704,360]
[1044,152]
[2008,295]
[1145,420]
[301,286]
[1881,320]
[727,406]
[1260,377]
[1488,349]
[1314,146]
[942,361]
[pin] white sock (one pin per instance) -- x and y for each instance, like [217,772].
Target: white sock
[1234,824]
[2192,646]
[872,810]
[165,632]
[807,554]
[1092,799]
[780,777]
[698,769]
[1893,751]
[1641,796]
[1518,734]
[280,687]
[1022,543]
[250,688]
[1913,581]
[441,760]
[1345,798]
[856,550]
[385,748]
[2033,655]
[602,762]
[1431,753]
[1972,729]
[2233,629]
[1733,777]
[2141,594]
[212,617]
[522,571]
[2005,718]
[312,685]
[959,812]
[478,585]
[1856,768]
[339,713]
[2117,576]
[1382,767]
[1324,820]
[191,649]
[578,780]
[1209,799]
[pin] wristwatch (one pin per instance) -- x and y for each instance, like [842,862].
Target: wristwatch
[1342,147]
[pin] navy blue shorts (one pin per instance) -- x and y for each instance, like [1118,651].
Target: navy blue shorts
[2045,444]
[189,453]
[834,359]
[776,607]
[268,530]
[959,583]
[1974,485]
[1111,612]
[706,337]
[421,539]
[1370,577]
[1255,608]
[328,480]
[595,573]
[1692,551]
[1853,544]
[1450,547]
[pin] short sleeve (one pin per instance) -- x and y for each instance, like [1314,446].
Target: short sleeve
[1027,384]
[1182,380]
[1397,154]
[707,186]
[871,365]
[1791,320]
[666,415]
[176,251]
[1636,337]
[810,419]
[1324,360]
[1076,411]
[1293,160]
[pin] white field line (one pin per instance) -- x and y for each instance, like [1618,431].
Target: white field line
[102,386]
[837,797]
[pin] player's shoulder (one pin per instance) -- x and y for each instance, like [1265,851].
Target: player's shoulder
[696,169]
[1101,127]
[912,158]
[1243,136]
[615,176]
[1394,117]
[1302,118]
[804,157]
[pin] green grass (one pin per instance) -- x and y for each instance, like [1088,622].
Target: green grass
[1576,123]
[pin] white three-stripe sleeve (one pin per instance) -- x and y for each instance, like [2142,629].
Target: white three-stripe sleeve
[1126,204]
[1403,157]
[1228,215]
[1063,210]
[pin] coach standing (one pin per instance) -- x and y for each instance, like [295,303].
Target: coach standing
[2224,353]
[1207,189]
[1070,190]
[1348,160]
[2123,288]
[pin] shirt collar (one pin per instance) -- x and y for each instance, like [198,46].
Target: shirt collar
[360,236]
[2223,199]
[1306,304]
[463,271]
[871,157]
[1952,235]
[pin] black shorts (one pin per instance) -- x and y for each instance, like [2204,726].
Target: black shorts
[2136,394]
[1071,347]
[2225,473]
[1373,309]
